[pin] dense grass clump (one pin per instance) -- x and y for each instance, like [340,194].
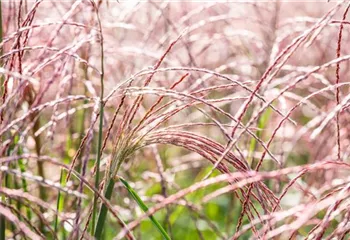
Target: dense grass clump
[164,120]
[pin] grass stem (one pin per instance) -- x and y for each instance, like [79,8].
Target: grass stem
[100,131]
[103,211]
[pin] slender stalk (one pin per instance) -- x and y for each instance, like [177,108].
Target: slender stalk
[3,228]
[40,164]
[38,145]
[103,211]
[59,204]
[99,144]
[81,118]
[22,168]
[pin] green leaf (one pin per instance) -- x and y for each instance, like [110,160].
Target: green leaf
[144,208]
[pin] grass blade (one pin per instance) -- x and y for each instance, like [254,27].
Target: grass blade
[144,208]
[262,123]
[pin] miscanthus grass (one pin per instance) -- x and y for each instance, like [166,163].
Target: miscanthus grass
[160,120]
